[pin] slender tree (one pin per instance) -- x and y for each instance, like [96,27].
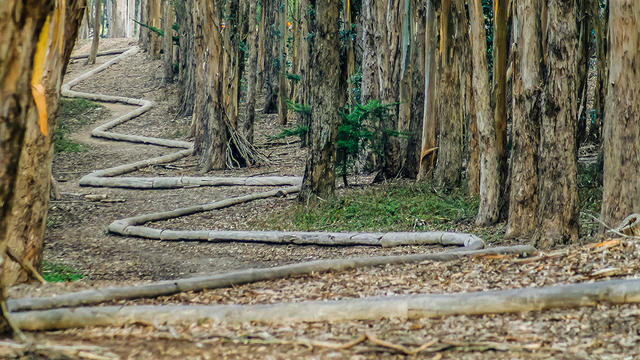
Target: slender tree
[96,35]
[430,123]
[557,164]
[528,70]
[621,135]
[319,175]
[489,181]
[500,86]
[252,62]
[167,42]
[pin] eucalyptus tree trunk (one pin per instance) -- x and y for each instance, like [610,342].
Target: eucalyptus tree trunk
[167,42]
[252,47]
[96,35]
[583,68]
[621,135]
[557,157]
[197,126]
[599,28]
[528,71]
[282,71]
[184,12]
[304,48]
[319,176]
[230,64]
[430,122]
[500,86]
[143,17]
[449,164]
[261,49]
[31,202]
[488,210]
[271,55]
[369,85]
[389,56]
[211,140]
[154,9]
[22,24]
[418,72]
[406,82]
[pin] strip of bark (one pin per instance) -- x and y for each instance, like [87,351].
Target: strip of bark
[375,308]
[166,288]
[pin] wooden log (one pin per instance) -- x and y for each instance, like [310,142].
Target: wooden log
[101,53]
[165,288]
[376,308]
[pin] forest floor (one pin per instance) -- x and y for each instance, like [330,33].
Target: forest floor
[77,243]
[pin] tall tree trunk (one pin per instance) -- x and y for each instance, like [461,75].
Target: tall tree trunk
[406,82]
[599,28]
[500,86]
[583,68]
[155,42]
[27,226]
[261,49]
[557,164]
[214,131]
[187,57]
[528,70]
[418,68]
[167,42]
[96,35]
[430,123]
[21,23]
[145,34]
[230,63]
[272,57]
[369,85]
[488,210]
[305,46]
[197,125]
[319,176]
[621,135]
[449,165]
[282,71]
[388,41]
[252,48]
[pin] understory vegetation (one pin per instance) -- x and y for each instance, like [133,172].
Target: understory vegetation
[59,273]
[73,114]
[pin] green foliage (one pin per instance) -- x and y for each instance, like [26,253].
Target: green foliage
[176,39]
[357,132]
[300,131]
[293,77]
[59,273]
[299,108]
[404,207]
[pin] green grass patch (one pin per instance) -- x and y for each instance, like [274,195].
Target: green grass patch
[59,273]
[72,114]
[397,207]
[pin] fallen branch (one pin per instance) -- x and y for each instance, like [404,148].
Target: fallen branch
[26,265]
[400,348]
[376,308]
[165,288]
[101,53]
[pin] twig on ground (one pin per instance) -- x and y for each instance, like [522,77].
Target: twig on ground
[400,348]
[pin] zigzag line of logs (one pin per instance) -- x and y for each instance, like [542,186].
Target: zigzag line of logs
[65,311]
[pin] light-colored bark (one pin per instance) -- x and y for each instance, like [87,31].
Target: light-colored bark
[621,135]
[252,67]
[430,123]
[319,176]
[488,211]
[96,34]
[500,87]
[166,288]
[20,30]
[557,162]
[527,102]
[616,292]
[167,42]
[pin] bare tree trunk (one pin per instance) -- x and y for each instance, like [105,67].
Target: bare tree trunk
[96,35]
[406,82]
[184,11]
[527,101]
[199,72]
[282,71]
[261,49]
[369,83]
[488,211]
[231,75]
[155,42]
[388,42]
[22,24]
[31,203]
[252,48]
[214,131]
[319,176]
[430,122]
[621,135]
[557,164]
[449,165]
[583,68]
[599,29]
[145,34]
[305,46]
[167,43]
[500,87]
[418,68]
